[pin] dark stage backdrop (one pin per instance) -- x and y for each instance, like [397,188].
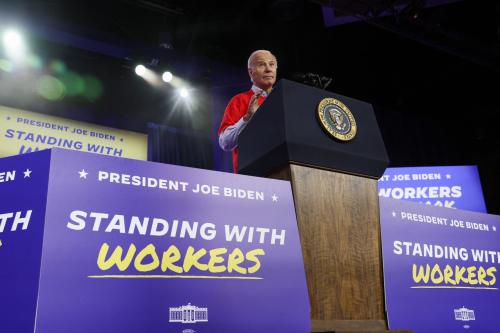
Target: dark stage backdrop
[181,147]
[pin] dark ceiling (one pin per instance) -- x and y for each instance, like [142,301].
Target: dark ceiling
[226,30]
[430,68]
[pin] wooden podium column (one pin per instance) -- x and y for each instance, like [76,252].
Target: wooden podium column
[338,219]
[337,211]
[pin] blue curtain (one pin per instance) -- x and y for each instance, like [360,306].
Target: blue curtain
[181,147]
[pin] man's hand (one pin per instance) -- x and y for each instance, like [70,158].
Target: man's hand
[252,106]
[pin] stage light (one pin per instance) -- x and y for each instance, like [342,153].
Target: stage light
[14,44]
[75,84]
[93,88]
[167,77]
[184,93]
[140,70]
[35,62]
[58,67]
[6,65]
[51,88]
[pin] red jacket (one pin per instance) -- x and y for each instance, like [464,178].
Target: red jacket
[235,110]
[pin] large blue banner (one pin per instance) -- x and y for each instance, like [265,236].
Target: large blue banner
[132,246]
[441,268]
[443,186]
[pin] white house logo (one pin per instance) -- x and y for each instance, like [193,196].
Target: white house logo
[188,314]
[464,314]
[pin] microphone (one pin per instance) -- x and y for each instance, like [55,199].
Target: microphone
[313,79]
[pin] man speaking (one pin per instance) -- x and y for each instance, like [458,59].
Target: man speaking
[262,66]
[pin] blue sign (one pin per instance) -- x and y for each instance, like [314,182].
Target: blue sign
[441,268]
[23,191]
[447,186]
[132,246]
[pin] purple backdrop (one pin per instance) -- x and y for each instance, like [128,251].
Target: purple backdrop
[461,282]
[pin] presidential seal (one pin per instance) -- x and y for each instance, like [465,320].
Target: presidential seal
[336,119]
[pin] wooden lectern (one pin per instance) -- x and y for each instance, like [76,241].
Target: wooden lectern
[335,192]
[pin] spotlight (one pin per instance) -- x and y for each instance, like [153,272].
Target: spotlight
[140,70]
[6,65]
[167,77]
[184,93]
[14,44]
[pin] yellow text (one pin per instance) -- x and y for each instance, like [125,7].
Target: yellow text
[147,259]
[454,276]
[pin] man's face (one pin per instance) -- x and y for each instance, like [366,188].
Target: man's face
[263,70]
